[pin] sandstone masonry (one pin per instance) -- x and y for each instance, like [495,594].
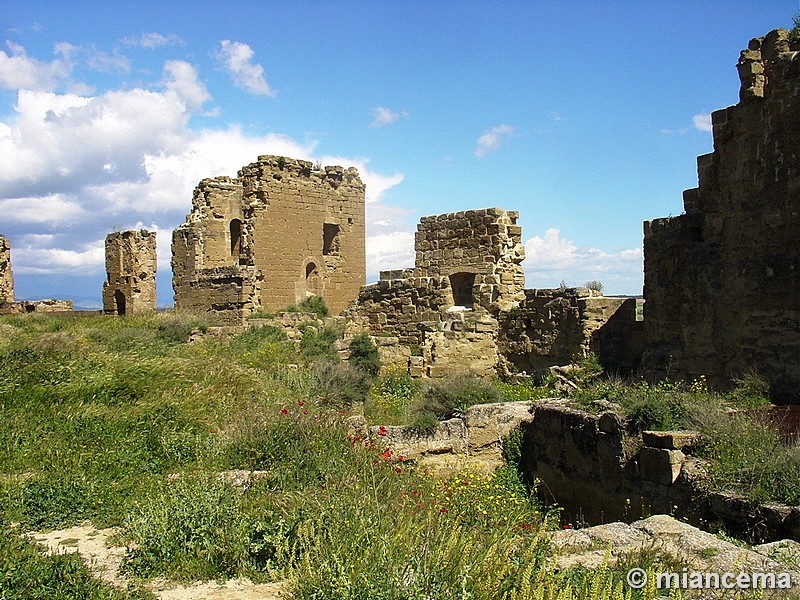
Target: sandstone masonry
[130,285]
[464,307]
[722,281]
[6,278]
[280,232]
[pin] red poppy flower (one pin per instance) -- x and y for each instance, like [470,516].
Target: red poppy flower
[305,412]
[284,411]
[386,454]
[398,470]
[381,430]
[300,403]
[212,431]
[443,510]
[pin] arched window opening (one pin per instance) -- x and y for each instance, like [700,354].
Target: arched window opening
[312,279]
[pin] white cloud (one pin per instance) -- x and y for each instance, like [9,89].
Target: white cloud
[385,116]
[77,166]
[551,259]
[236,59]
[492,139]
[20,71]
[702,122]
[153,40]
[54,209]
[387,251]
[87,259]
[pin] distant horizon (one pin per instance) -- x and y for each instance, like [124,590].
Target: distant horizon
[587,118]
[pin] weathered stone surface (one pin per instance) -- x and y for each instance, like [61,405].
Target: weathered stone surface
[130,285]
[464,307]
[282,231]
[659,465]
[668,537]
[722,280]
[6,278]
[670,440]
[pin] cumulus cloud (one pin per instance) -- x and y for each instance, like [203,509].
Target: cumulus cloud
[491,140]
[236,59]
[551,259]
[382,116]
[77,166]
[702,122]
[20,71]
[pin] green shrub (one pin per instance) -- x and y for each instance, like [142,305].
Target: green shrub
[27,574]
[444,399]
[364,355]
[340,384]
[194,528]
[320,343]
[750,391]
[312,304]
[794,33]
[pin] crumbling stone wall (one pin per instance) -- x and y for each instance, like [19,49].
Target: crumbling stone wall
[464,307]
[280,232]
[6,278]
[563,325]
[479,254]
[722,281]
[130,285]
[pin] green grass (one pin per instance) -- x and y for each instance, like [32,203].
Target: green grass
[122,422]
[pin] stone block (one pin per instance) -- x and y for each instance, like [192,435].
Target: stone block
[659,465]
[670,440]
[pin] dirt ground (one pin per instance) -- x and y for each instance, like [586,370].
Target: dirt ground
[104,559]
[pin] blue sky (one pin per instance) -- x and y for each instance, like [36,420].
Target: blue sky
[585,116]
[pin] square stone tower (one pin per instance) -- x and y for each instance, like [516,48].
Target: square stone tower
[130,286]
[6,279]
[280,232]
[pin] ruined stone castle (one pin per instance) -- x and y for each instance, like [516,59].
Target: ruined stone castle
[6,279]
[130,285]
[463,307]
[280,232]
[722,280]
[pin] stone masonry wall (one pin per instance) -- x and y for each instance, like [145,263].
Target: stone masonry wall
[293,229]
[130,285]
[464,308]
[560,326]
[6,278]
[479,251]
[722,281]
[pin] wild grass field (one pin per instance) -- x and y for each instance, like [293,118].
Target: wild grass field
[121,422]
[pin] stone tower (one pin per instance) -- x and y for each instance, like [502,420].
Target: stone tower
[6,279]
[722,281]
[280,232]
[130,286]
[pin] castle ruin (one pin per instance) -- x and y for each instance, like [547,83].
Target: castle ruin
[722,280]
[280,232]
[6,278]
[463,307]
[130,285]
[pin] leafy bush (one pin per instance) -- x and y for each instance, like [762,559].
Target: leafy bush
[364,355]
[193,528]
[594,285]
[750,391]
[441,400]
[794,33]
[312,304]
[340,384]
[320,343]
